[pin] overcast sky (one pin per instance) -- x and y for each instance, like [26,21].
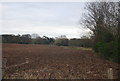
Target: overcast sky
[51,19]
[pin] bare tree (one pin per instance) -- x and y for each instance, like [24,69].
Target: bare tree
[101,18]
[118,21]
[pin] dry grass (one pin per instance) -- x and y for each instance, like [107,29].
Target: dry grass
[76,48]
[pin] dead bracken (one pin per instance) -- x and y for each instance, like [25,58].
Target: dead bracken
[54,62]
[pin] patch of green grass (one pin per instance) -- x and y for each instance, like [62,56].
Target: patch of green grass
[76,48]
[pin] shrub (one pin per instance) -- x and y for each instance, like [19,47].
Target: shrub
[61,42]
[98,46]
[108,51]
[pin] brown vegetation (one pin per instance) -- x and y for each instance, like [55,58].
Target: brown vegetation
[45,62]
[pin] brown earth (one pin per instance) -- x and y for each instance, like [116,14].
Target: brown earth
[54,62]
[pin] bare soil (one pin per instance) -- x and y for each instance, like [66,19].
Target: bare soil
[54,62]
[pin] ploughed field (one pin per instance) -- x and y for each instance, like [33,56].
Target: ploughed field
[54,62]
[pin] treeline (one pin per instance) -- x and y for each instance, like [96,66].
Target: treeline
[104,21]
[60,41]
[26,39]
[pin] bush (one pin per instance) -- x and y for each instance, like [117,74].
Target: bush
[108,51]
[61,42]
[98,46]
